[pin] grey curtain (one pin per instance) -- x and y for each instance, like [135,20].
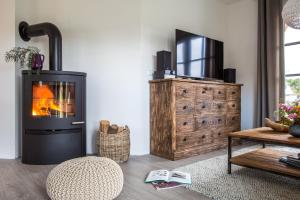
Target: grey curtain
[270,57]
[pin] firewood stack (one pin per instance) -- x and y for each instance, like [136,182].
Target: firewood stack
[106,128]
[113,141]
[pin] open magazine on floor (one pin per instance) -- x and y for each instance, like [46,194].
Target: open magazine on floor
[163,175]
[166,185]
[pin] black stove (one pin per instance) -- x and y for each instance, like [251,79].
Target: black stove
[53,105]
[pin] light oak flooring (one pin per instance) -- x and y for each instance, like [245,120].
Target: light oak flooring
[27,182]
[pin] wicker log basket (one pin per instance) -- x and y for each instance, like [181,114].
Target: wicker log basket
[114,146]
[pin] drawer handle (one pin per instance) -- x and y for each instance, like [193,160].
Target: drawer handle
[185,123]
[184,91]
[184,107]
[203,136]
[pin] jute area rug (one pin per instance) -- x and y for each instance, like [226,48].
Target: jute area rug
[209,177]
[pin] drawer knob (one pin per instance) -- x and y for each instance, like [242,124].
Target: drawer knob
[185,123]
[233,93]
[203,106]
[219,92]
[219,120]
[184,139]
[184,107]
[219,133]
[203,122]
[203,136]
[219,106]
[203,91]
[233,105]
[233,118]
[184,91]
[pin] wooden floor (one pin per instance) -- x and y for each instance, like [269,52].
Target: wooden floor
[27,182]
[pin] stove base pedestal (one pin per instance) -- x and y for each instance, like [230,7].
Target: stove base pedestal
[43,147]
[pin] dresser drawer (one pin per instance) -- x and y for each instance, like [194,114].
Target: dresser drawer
[233,106]
[219,120]
[204,92]
[193,139]
[233,120]
[209,121]
[184,107]
[218,107]
[202,122]
[220,135]
[185,91]
[219,93]
[202,106]
[185,124]
[233,93]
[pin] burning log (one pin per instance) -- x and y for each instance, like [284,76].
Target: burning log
[44,102]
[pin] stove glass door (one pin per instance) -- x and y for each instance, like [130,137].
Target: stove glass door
[55,99]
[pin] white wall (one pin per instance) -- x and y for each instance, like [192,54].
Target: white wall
[115,42]
[242,53]
[161,18]
[101,38]
[8,147]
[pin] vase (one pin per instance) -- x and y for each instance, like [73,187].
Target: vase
[37,61]
[294,130]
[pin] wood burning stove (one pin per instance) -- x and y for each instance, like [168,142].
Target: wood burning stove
[53,105]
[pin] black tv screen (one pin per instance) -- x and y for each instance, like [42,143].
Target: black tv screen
[198,56]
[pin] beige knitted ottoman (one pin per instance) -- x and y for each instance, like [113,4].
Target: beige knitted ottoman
[86,178]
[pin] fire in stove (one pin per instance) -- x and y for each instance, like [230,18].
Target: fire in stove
[52,99]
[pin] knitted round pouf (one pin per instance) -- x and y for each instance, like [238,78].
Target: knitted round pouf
[85,178]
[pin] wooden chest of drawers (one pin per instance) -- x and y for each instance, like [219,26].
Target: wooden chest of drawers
[189,117]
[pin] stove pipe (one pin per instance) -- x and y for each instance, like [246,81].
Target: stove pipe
[55,42]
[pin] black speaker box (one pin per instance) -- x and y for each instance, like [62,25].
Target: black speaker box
[230,75]
[163,60]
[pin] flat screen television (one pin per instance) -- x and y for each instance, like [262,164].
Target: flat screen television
[198,56]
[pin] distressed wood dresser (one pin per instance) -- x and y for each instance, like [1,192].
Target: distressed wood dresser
[189,117]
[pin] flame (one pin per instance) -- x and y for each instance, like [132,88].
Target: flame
[43,101]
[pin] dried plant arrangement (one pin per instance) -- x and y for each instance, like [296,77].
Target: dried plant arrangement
[21,56]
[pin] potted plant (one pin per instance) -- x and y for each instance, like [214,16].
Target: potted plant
[29,57]
[290,115]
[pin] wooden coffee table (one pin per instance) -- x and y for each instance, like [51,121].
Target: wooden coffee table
[265,158]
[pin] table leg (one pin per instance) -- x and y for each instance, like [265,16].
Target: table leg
[229,154]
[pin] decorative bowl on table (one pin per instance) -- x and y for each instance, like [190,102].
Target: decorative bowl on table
[276,126]
[294,130]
